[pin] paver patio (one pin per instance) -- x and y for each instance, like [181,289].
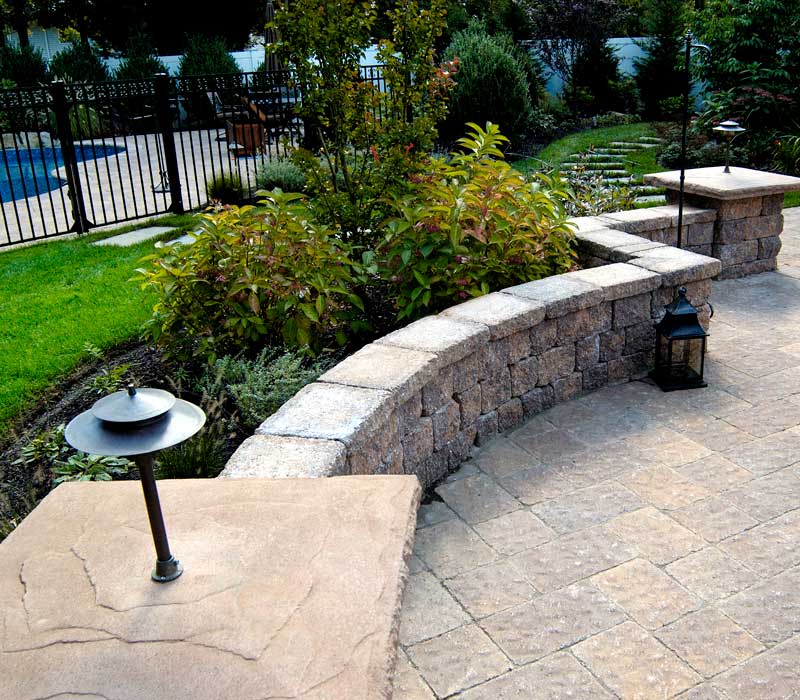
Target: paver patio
[629,544]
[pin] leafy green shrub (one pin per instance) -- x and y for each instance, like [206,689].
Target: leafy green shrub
[23,66]
[206,56]
[253,277]
[110,380]
[596,85]
[258,387]
[787,155]
[492,84]
[79,63]
[225,188]
[83,467]
[700,153]
[201,457]
[281,173]
[590,194]
[140,60]
[473,225]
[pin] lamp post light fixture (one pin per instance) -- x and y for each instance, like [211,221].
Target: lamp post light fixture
[730,130]
[680,347]
[138,423]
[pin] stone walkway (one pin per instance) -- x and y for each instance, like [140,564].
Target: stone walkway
[629,544]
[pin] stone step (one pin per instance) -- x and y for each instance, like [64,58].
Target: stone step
[650,139]
[592,155]
[619,151]
[650,199]
[134,237]
[594,165]
[595,171]
[617,180]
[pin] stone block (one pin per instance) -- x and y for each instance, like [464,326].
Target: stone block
[561,294]
[579,324]
[735,253]
[556,363]
[771,204]
[706,250]
[587,351]
[418,444]
[595,376]
[446,424]
[674,266]
[665,236]
[458,449]
[466,372]
[610,245]
[448,338]
[700,234]
[537,400]
[568,387]
[581,224]
[630,367]
[485,428]
[509,415]
[638,220]
[691,215]
[431,470]
[278,457]
[622,279]
[254,585]
[397,370]
[755,267]
[733,231]
[496,390]
[470,405]
[437,392]
[632,310]
[519,345]
[331,412]
[769,247]
[612,343]
[705,187]
[496,356]
[502,313]
[543,336]
[698,292]
[640,338]
[739,208]
[408,414]
[524,375]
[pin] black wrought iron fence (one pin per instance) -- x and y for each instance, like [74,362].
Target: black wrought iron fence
[82,155]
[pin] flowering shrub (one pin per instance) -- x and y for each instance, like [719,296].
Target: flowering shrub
[474,224]
[253,277]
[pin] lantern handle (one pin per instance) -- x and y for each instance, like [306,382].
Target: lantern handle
[710,306]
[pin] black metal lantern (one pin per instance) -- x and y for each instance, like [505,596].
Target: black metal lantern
[680,347]
[138,423]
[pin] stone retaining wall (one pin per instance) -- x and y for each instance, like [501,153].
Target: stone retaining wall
[417,400]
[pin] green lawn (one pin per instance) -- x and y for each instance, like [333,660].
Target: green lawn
[639,163]
[59,295]
[791,199]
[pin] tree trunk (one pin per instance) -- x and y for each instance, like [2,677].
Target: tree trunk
[21,22]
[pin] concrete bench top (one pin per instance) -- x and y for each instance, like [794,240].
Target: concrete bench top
[738,183]
[292,589]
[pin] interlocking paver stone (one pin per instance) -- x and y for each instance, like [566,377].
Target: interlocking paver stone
[552,621]
[653,546]
[458,660]
[648,595]
[709,641]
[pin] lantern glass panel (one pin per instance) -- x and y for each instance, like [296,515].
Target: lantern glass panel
[679,363]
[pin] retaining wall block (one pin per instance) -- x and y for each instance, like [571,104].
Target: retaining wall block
[446,424]
[509,414]
[496,390]
[524,375]
[503,314]
[631,310]
[587,350]
[279,457]
[619,280]
[448,338]
[556,363]
[537,400]
[561,294]
[470,405]
[579,324]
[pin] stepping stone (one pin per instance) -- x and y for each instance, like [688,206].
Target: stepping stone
[185,239]
[617,180]
[627,145]
[133,237]
[595,165]
[603,173]
[650,198]
[650,139]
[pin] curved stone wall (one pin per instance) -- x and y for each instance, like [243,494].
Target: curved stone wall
[417,400]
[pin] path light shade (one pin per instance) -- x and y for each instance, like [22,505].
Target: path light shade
[138,423]
[680,347]
[729,129]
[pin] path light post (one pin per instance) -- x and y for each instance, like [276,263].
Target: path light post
[138,423]
[730,130]
[680,347]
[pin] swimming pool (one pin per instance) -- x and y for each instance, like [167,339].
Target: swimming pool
[23,171]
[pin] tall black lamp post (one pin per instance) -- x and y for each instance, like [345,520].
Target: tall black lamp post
[138,423]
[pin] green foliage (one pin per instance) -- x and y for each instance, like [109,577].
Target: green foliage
[472,226]
[206,56]
[596,85]
[253,276]
[259,387]
[201,457]
[140,60]
[22,66]
[110,380]
[47,448]
[787,155]
[225,188]
[590,195]
[492,83]
[659,76]
[281,173]
[83,467]
[79,63]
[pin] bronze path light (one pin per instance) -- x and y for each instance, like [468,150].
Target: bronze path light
[730,130]
[138,423]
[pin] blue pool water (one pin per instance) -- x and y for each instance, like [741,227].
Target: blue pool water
[22,171]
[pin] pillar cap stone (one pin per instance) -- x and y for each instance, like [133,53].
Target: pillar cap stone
[716,184]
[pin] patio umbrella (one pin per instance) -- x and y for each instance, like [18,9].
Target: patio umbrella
[271,60]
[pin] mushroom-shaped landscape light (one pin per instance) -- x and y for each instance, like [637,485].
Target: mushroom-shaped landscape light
[137,423]
[729,129]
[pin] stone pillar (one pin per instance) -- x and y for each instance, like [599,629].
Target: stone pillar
[748,205]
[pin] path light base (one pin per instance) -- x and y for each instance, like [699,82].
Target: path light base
[167,570]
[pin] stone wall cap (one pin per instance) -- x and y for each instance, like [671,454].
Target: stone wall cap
[691,215]
[613,245]
[636,220]
[677,266]
[331,412]
[399,370]
[581,224]
[449,338]
[619,280]
[504,314]
[281,457]
[737,184]
[560,294]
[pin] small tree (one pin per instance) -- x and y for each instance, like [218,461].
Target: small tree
[659,76]
[140,60]
[79,63]
[206,56]
[22,66]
